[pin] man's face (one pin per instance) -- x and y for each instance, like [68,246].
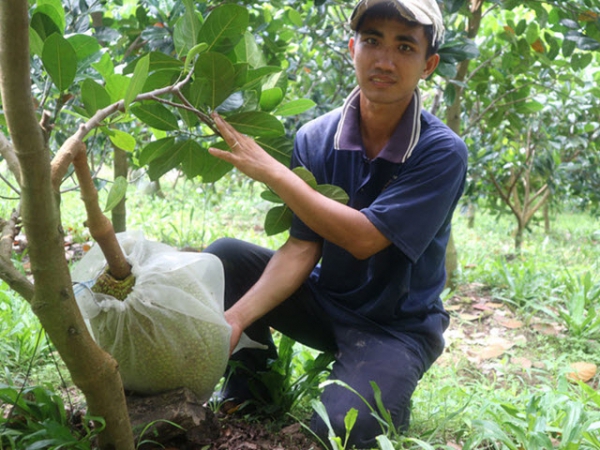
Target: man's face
[390,58]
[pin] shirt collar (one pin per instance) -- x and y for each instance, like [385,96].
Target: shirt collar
[403,140]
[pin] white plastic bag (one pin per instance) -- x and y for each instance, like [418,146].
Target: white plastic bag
[170,331]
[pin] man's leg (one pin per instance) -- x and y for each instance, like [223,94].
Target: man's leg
[364,357]
[299,317]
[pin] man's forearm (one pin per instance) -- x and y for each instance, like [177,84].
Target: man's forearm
[288,269]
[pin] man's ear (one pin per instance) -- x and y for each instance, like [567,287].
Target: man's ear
[351,44]
[430,65]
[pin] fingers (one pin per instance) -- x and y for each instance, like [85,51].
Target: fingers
[230,135]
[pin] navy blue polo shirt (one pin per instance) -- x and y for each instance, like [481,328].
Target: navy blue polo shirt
[409,192]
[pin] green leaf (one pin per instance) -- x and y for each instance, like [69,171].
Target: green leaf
[186,31]
[93,96]
[196,161]
[257,123]
[384,442]
[295,107]
[271,196]
[278,220]
[155,149]
[36,44]
[44,26]
[279,147]
[122,140]
[116,86]
[105,66]
[533,33]
[54,9]
[156,116]
[140,75]
[247,50]
[84,45]
[170,160]
[333,192]
[116,194]
[270,98]
[158,62]
[224,27]
[306,176]
[60,60]
[191,157]
[350,420]
[253,77]
[220,74]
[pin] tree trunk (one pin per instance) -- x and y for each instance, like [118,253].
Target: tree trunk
[119,212]
[91,369]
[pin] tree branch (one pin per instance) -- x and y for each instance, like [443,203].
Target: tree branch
[7,151]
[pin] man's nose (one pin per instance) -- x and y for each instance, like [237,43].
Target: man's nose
[384,58]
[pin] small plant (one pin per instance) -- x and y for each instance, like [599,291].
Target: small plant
[579,312]
[37,420]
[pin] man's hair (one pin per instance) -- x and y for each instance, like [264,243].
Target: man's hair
[388,11]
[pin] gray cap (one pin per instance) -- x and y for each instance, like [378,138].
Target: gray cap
[425,12]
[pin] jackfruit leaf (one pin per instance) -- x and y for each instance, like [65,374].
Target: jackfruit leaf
[84,45]
[140,75]
[195,50]
[156,116]
[190,157]
[36,45]
[333,192]
[198,162]
[54,10]
[253,77]
[116,86]
[43,25]
[160,79]
[270,98]
[93,96]
[224,27]
[271,196]
[306,176]
[155,150]
[122,140]
[295,107]
[168,161]
[278,220]
[257,124]
[247,50]
[158,62]
[186,30]
[105,66]
[116,194]
[279,148]
[232,103]
[60,61]
[197,92]
[219,72]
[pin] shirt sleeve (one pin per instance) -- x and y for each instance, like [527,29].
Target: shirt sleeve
[420,200]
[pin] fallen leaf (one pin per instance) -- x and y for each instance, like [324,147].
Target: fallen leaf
[492,351]
[582,371]
[468,317]
[513,324]
[522,362]
[452,307]
[547,329]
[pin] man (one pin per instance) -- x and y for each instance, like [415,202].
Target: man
[362,280]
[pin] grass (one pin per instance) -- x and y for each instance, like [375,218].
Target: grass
[518,399]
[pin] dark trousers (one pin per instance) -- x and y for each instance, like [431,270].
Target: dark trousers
[362,355]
